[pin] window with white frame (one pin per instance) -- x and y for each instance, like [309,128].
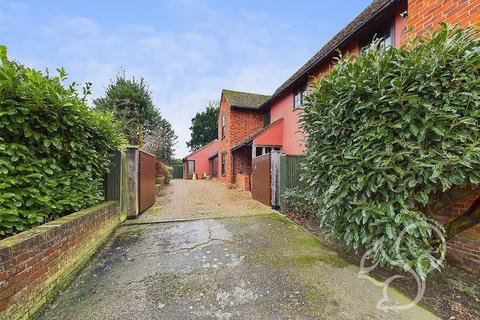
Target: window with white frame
[223,125]
[261,150]
[299,95]
[191,166]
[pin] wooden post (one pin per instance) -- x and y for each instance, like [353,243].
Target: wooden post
[275,180]
[124,194]
[132,174]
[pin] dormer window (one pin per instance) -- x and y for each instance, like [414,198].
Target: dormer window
[299,95]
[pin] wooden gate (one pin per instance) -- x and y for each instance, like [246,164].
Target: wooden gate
[261,179]
[146,180]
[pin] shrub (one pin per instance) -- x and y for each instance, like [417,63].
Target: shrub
[164,171]
[387,132]
[54,151]
[299,201]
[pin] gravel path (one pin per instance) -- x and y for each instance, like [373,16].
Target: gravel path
[190,199]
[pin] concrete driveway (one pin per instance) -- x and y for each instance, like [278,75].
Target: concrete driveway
[252,267]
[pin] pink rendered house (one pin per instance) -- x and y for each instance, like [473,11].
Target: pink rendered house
[201,162]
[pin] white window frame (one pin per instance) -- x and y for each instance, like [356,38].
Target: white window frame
[299,95]
[223,125]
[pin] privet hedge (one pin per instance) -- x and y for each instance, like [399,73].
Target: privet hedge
[54,151]
[386,131]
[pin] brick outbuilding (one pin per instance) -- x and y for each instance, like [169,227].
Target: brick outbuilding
[238,118]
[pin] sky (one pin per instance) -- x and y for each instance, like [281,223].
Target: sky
[187,51]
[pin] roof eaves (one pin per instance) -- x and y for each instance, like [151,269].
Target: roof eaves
[213,155]
[198,150]
[334,46]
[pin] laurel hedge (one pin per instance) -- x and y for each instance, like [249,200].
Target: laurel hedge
[54,151]
[386,131]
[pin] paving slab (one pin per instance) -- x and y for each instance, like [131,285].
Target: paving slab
[257,267]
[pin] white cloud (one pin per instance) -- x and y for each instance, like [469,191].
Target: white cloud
[185,69]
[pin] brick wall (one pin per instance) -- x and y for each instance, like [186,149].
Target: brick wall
[463,250]
[426,14]
[244,123]
[35,264]
[240,123]
[243,181]
[224,143]
[242,160]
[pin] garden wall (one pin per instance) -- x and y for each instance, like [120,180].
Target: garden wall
[243,181]
[35,264]
[463,250]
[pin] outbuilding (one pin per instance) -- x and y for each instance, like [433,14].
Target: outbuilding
[199,162]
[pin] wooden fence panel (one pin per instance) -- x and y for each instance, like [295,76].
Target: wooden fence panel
[289,172]
[112,180]
[146,180]
[177,172]
[261,179]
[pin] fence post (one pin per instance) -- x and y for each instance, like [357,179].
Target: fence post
[123,185]
[132,182]
[275,180]
[283,173]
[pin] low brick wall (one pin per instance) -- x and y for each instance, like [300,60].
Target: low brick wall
[35,264]
[463,250]
[243,181]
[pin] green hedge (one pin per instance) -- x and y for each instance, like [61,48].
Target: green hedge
[54,151]
[387,130]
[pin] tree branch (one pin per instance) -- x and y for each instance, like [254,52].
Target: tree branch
[441,200]
[467,220]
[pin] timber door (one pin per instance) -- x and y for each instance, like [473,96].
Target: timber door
[146,180]
[261,179]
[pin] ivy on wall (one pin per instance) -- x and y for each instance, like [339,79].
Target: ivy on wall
[388,131]
[54,151]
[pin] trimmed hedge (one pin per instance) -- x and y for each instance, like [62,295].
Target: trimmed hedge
[54,151]
[388,130]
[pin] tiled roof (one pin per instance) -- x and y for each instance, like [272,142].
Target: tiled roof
[370,12]
[244,100]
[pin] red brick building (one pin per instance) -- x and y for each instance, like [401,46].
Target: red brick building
[251,125]
[238,117]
